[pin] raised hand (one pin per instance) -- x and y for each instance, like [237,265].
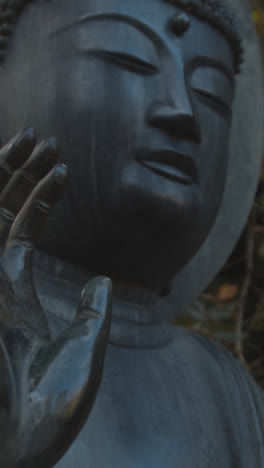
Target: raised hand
[47,387]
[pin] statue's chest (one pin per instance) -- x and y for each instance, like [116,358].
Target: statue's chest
[147,415]
[130,430]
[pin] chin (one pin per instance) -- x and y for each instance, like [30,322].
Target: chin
[149,255]
[143,236]
[152,249]
[145,212]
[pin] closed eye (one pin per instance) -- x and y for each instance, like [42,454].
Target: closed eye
[132,62]
[212,99]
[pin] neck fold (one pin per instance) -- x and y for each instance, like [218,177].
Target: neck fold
[134,323]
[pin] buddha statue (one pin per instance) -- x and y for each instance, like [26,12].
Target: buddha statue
[133,104]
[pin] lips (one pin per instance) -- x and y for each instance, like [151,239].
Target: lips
[175,166]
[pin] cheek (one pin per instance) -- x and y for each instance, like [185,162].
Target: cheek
[213,161]
[104,91]
[214,156]
[103,120]
[104,106]
[115,118]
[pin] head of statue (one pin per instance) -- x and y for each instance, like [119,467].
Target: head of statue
[139,95]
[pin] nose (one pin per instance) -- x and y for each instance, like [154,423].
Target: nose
[173,112]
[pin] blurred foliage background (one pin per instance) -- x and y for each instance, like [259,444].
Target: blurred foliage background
[231,310]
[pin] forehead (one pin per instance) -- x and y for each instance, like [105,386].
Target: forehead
[74,17]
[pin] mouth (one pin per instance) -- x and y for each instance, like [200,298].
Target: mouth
[173,165]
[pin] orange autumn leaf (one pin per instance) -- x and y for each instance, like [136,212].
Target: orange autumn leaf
[227,292]
[258,17]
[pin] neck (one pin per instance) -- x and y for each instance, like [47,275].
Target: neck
[136,318]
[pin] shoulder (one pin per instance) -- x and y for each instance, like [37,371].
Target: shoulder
[216,365]
[197,348]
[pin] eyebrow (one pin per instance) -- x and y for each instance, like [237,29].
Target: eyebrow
[142,27]
[151,34]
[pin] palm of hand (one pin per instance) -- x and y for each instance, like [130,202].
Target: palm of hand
[47,387]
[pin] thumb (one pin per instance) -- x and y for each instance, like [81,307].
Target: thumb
[96,302]
[75,359]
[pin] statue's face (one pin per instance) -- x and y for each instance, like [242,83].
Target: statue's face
[143,118]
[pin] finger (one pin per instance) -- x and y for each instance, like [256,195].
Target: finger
[15,153]
[17,258]
[95,301]
[23,182]
[41,161]
[86,340]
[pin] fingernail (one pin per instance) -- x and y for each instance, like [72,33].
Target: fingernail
[27,132]
[52,143]
[49,144]
[97,295]
[60,172]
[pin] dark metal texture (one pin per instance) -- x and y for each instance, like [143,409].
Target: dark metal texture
[143,116]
